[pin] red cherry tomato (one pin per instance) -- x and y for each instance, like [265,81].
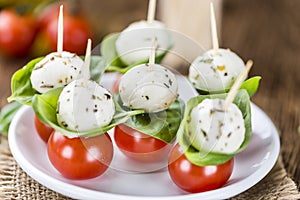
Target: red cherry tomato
[76,33]
[16,33]
[43,130]
[80,158]
[193,178]
[139,146]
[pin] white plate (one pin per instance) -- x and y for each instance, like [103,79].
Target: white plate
[251,165]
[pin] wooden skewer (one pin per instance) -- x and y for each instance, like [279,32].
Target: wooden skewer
[214,29]
[151,11]
[60,30]
[87,60]
[237,84]
[153,52]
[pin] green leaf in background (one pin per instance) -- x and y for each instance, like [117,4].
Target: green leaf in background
[45,106]
[109,52]
[162,125]
[21,87]
[251,85]
[6,115]
[113,60]
[202,158]
[97,68]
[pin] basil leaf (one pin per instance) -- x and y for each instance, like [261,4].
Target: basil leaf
[6,115]
[21,87]
[251,85]
[109,52]
[162,125]
[202,158]
[113,60]
[45,106]
[97,68]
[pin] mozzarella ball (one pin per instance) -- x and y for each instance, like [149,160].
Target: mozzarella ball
[214,130]
[56,70]
[152,88]
[84,107]
[134,43]
[215,72]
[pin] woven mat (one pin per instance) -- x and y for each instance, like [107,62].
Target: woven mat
[16,184]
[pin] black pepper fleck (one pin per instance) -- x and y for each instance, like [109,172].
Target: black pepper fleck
[107,96]
[204,134]
[229,134]
[166,85]
[47,86]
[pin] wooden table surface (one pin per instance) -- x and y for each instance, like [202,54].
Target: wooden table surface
[269,33]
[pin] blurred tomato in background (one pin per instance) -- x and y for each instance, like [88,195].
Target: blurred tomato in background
[17,33]
[76,28]
[28,28]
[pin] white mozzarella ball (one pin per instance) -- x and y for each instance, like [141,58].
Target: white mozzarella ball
[85,107]
[213,130]
[134,43]
[151,88]
[56,70]
[215,72]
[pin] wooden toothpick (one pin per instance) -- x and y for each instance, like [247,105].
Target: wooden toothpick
[153,52]
[87,61]
[237,84]
[60,30]
[214,29]
[151,11]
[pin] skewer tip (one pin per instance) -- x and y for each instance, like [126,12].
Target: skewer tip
[60,30]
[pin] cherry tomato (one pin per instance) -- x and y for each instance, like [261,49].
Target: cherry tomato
[139,146]
[193,178]
[80,158]
[76,33]
[17,33]
[43,130]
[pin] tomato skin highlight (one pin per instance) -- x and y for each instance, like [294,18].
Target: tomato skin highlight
[139,146]
[193,178]
[44,131]
[80,158]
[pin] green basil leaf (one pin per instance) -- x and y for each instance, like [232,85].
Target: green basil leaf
[97,68]
[113,60]
[109,52]
[251,85]
[202,158]
[21,87]
[6,115]
[45,106]
[162,125]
